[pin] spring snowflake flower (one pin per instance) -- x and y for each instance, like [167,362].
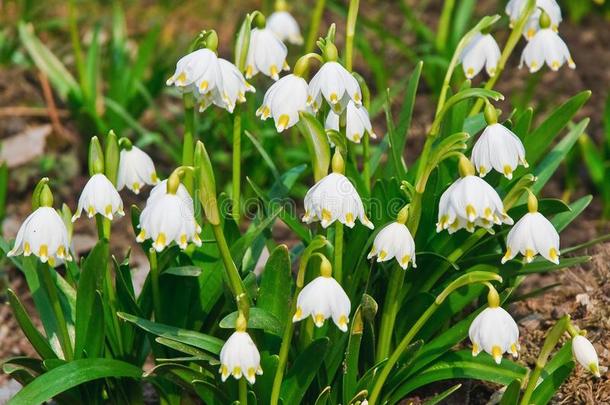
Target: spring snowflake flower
[99,197]
[336,85]
[334,198]
[481,51]
[546,46]
[229,91]
[585,354]
[394,241]
[533,234]
[357,122]
[284,100]
[500,149]
[240,357]
[323,298]
[198,71]
[470,202]
[266,54]
[161,189]
[44,234]
[514,9]
[168,217]
[283,24]
[136,169]
[494,330]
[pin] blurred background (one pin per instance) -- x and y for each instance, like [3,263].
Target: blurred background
[73,69]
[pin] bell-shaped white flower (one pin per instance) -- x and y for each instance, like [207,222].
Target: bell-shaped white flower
[546,46]
[266,54]
[323,298]
[394,241]
[336,84]
[495,332]
[240,357]
[198,71]
[44,234]
[136,169]
[585,354]
[168,217]
[470,202]
[498,148]
[357,122]
[228,91]
[283,24]
[334,198]
[99,197]
[161,189]
[533,234]
[284,100]
[482,50]
[515,8]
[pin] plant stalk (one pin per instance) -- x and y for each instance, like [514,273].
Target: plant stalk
[235,282]
[391,304]
[188,141]
[338,265]
[243,391]
[154,280]
[60,319]
[350,32]
[314,25]
[236,206]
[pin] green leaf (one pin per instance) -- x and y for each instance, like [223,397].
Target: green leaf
[317,142]
[406,111]
[561,221]
[183,271]
[511,394]
[266,158]
[545,391]
[189,337]
[71,375]
[258,319]
[210,393]
[303,371]
[324,397]
[276,285]
[400,167]
[38,341]
[538,141]
[442,396]
[547,206]
[352,355]
[543,266]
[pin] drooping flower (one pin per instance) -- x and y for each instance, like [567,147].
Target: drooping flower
[136,169]
[161,189]
[239,357]
[336,84]
[395,241]
[494,330]
[283,24]
[168,217]
[323,298]
[284,100]
[482,50]
[44,234]
[470,202]
[585,354]
[198,71]
[546,46]
[357,122]
[498,148]
[533,234]
[266,54]
[515,8]
[229,90]
[99,197]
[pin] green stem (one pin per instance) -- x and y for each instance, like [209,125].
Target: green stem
[154,280]
[338,265]
[236,206]
[350,32]
[469,278]
[314,25]
[391,304]
[235,282]
[60,320]
[366,164]
[188,141]
[444,24]
[243,391]
[550,342]
[75,39]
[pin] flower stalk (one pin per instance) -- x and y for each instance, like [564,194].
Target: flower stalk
[188,140]
[236,173]
[62,326]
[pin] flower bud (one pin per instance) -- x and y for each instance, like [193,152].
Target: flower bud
[585,354]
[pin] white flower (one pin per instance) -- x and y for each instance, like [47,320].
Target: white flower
[161,189]
[500,149]
[229,90]
[533,234]
[336,85]
[266,54]
[357,122]
[481,51]
[585,354]
[240,357]
[495,332]
[394,241]
[514,9]
[168,217]
[284,100]
[99,197]
[283,24]
[136,169]
[334,198]
[546,46]
[43,233]
[470,202]
[197,71]
[323,298]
